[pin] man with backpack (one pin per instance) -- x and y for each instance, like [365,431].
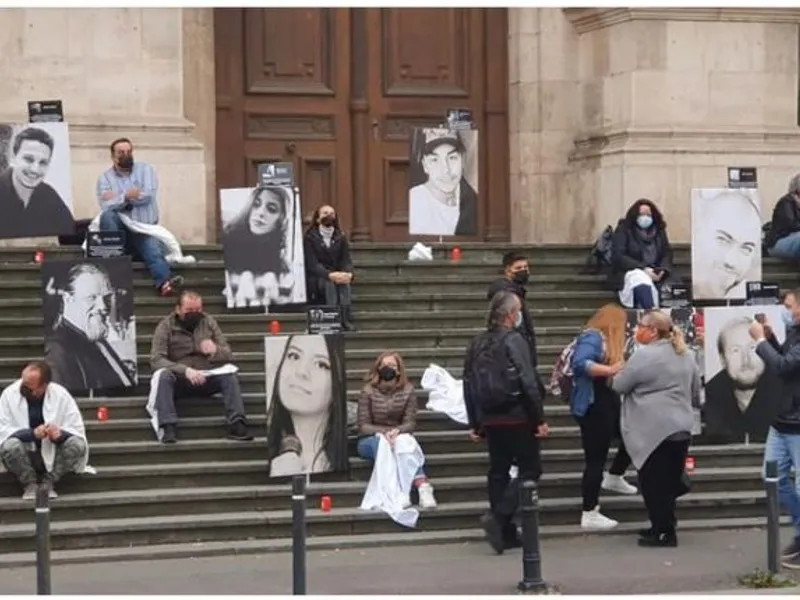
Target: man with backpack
[502,394]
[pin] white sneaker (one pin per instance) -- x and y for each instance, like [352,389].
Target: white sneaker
[426,497]
[594,520]
[406,503]
[617,483]
[30,492]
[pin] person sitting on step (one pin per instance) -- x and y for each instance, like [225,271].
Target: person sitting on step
[187,344]
[387,407]
[641,256]
[329,267]
[783,236]
[42,434]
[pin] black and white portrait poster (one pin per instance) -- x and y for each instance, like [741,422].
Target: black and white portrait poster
[306,404]
[35,180]
[90,328]
[726,242]
[443,182]
[262,243]
[740,392]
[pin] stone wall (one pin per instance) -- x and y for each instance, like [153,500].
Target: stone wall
[120,72]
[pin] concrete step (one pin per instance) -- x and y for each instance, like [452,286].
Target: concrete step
[118,504]
[183,528]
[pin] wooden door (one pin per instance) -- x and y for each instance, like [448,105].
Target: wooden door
[423,62]
[283,86]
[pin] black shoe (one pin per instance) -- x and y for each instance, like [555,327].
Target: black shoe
[238,431]
[791,563]
[646,533]
[170,435]
[792,549]
[494,533]
[661,540]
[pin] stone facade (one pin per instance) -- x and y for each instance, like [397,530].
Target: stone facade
[606,106]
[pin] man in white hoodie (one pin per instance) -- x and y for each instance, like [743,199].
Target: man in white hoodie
[41,431]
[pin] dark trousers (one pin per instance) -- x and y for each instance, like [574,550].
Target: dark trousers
[509,445]
[643,297]
[660,481]
[172,387]
[599,427]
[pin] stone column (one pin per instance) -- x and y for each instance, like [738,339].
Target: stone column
[119,72]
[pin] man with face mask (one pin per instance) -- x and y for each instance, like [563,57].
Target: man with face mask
[783,439]
[29,207]
[131,187]
[737,398]
[186,344]
[42,434]
[77,348]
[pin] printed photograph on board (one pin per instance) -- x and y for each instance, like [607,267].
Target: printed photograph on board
[306,404]
[262,244]
[443,182]
[726,242]
[89,324]
[35,180]
[740,392]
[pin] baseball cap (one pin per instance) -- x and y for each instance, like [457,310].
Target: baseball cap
[437,137]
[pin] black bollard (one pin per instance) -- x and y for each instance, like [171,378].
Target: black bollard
[42,541]
[532,582]
[773,517]
[299,535]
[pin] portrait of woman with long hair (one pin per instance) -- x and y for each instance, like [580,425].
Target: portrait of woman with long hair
[261,246]
[306,410]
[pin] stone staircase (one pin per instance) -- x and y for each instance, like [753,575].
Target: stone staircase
[207,495]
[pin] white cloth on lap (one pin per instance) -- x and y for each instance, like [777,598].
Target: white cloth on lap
[635,278]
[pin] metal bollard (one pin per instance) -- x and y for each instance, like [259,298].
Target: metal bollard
[42,541]
[299,535]
[532,581]
[773,517]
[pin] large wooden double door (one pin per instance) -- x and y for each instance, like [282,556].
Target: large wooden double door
[337,91]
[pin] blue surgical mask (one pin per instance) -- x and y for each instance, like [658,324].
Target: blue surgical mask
[644,221]
[518,320]
[786,317]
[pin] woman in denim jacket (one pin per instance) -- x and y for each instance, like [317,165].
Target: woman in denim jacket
[595,406]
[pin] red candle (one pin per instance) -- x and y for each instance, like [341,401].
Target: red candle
[326,504]
[456,254]
[275,327]
[38,258]
[102,414]
[690,464]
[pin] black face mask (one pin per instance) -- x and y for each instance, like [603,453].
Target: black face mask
[28,394]
[520,277]
[125,162]
[191,320]
[327,221]
[387,373]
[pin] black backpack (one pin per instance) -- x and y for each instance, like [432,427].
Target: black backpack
[490,379]
[601,254]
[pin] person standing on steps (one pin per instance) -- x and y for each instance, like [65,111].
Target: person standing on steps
[783,439]
[329,267]
[595,406]
[504,404]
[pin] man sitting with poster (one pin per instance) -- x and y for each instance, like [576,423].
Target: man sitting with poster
[41,431]
[132,188]
[190,358]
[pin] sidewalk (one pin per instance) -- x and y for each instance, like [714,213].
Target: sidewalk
[706,561]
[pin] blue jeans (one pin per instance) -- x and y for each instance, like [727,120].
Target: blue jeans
[367,448]
[787,248]
[784,448]
[138,245]
[643,297]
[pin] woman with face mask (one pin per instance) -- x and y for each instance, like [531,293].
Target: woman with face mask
[641,260]
[659,384]
[329,267]
[388,407]
[595,406]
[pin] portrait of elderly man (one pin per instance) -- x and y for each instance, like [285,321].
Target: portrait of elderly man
[726,243]
[88,344]
[738,397]
[30,207]
[442,201]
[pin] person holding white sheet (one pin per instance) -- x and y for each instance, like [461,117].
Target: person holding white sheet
[185,344]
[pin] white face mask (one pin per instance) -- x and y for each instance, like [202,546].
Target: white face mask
[787,317]
[518,320]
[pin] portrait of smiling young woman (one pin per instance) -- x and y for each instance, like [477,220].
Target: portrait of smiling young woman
[306,404]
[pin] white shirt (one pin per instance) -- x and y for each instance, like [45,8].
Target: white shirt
[429,216]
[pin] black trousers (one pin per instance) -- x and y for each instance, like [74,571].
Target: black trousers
[510,445]
[661,483]
[599,427]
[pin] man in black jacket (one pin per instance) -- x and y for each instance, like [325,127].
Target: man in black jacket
[504,404]
[783,439]
[783,237]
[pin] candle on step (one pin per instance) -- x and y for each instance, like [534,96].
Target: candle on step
[102,414]
[38,258]
[275,327]
[690,464]
[455,255]
[326,504]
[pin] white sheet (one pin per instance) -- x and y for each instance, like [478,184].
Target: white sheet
[634,278]
[445,394]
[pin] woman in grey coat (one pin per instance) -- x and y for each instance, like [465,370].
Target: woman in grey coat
[659,385]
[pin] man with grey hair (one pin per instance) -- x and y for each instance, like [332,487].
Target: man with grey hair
[505,406]
[737,398]
[783,237]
